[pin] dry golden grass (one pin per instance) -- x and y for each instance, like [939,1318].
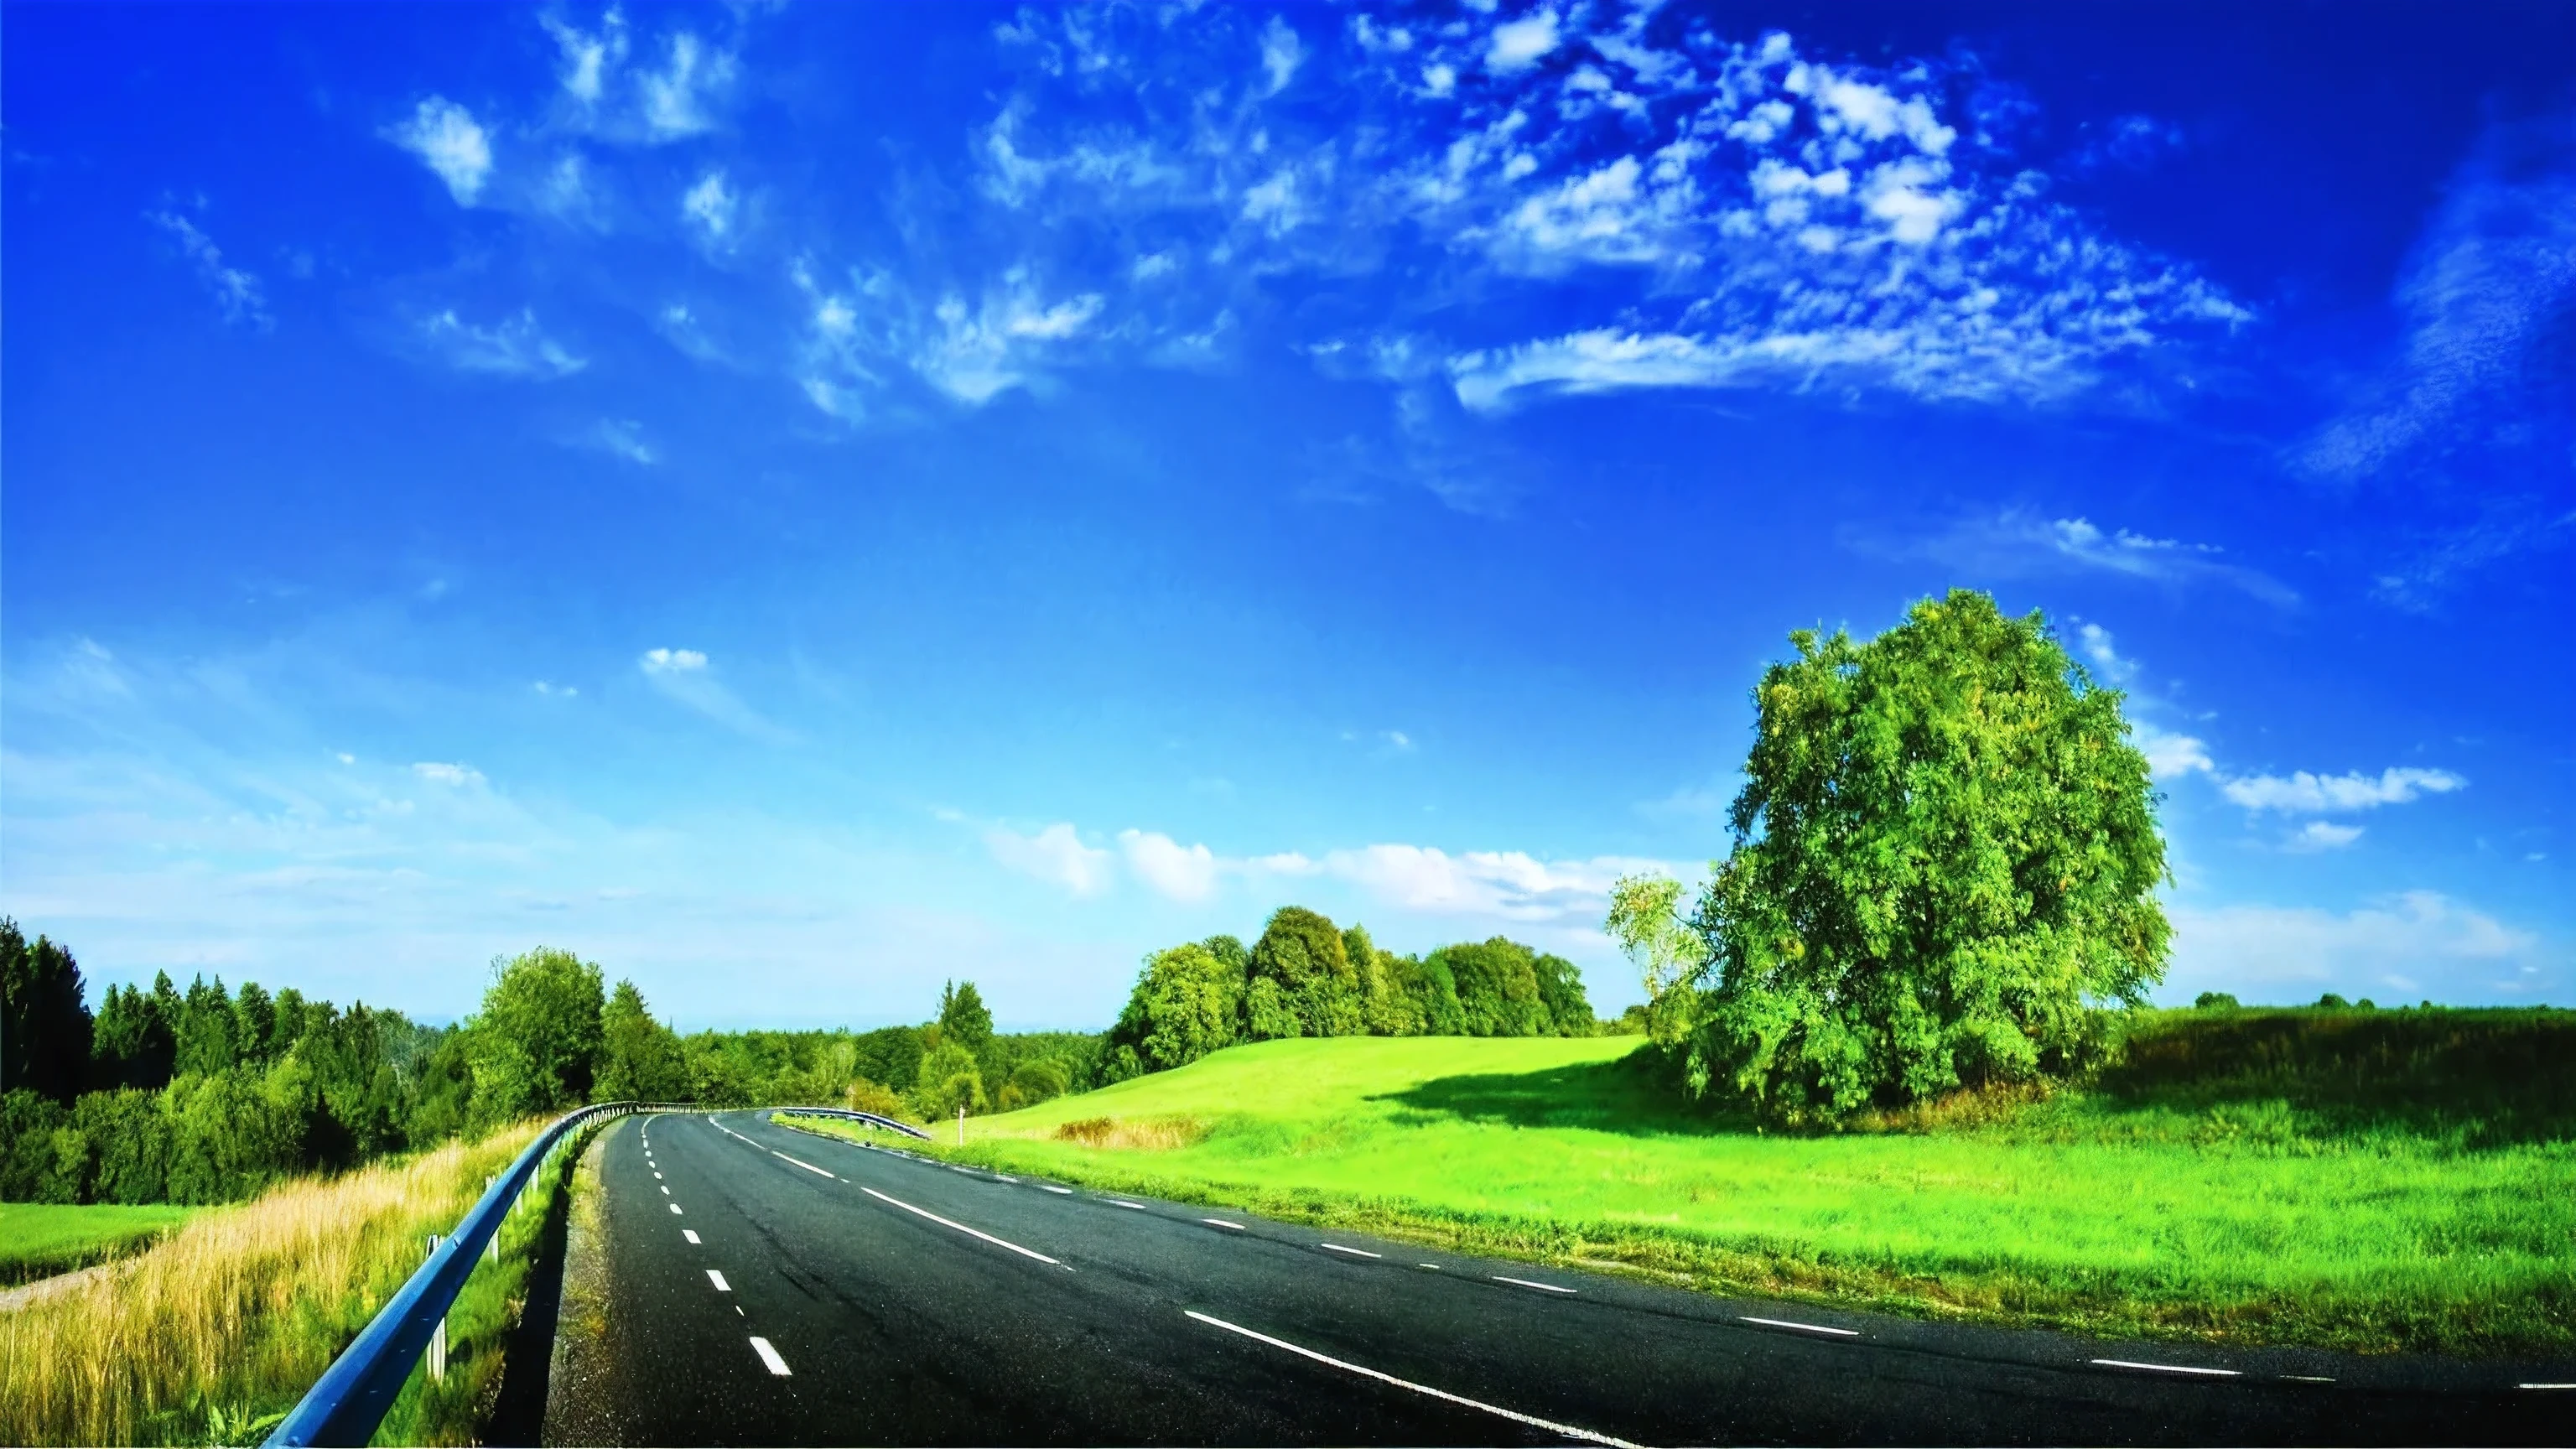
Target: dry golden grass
[1134,1134]
[239,1310]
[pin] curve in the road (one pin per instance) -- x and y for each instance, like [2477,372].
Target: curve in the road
[806,1289]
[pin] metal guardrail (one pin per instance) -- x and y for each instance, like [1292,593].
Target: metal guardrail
[870,1118]
[350,1399]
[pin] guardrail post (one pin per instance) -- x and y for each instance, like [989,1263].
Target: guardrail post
[438,1336]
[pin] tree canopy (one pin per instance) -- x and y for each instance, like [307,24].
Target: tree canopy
[1946,853]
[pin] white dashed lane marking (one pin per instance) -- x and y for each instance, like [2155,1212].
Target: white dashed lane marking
[1566,1430]
[1122,1202]
[1354,1252]
[809,1167]
[1804,1327]
[1222,1223]
[1526,1283]
[769,1356]
[961,1227]
[1051,1187]
[2165,1368]
[718,1279]
[675,1210]
[689,1233]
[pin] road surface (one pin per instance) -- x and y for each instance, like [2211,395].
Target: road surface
[768,1286]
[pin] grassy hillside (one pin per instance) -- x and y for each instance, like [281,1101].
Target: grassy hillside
[2406,1182]
[38,1240]
[212,1333]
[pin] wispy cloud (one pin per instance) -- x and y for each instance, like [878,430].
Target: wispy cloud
[620,438]
[1182,872]
[2319,835]
[710,206]
[2409,942]
[1055,855]
[457,777]
[2016,543]
[511,347]
[2484,296]
[866,335]
[446,137]
[237,293]
[686,677]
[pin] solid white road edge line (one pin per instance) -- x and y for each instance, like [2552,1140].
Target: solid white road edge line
[769,1356]
[1354,1252]
[1526,1283]
[718,1279]
[1803,1327]
[1568,1430]
[2545,1386]
[1122,1202]
[1222,1223]
[961,1227]
[809,1167]
[1051,1187]
[689,1233]
[2166,1368]
[2306,1379]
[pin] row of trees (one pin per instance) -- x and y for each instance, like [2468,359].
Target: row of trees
[1305,977]
[207,1095]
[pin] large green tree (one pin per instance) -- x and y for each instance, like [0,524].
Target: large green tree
[1185,1005]
[640,1059]
[1946,855]
[535,1044]
[963,1017]
[1301,980]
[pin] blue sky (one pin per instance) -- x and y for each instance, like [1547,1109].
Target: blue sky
[799,503]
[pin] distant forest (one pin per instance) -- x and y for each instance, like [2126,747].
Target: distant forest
[208,1094]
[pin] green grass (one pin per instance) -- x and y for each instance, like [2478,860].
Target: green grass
[2408,1182]
[38,1240]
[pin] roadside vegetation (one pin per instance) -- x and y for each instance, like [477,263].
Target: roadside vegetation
[38,1240]
[212,1334]
[2397,1180]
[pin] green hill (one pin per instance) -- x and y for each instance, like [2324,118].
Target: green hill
[2242,1176]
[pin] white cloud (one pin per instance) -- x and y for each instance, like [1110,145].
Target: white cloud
[1797,224]
[684,677]
[2171,756]
[2483,295]
[444,135]
[2291,953]
[511,347]
[1055,855]
[675,98]
[237,293]
[2302,793]
[588,59]
[1519,44]
[2017,543]
[2323,835]
[711,205]
[556,691]
[454,776]
[1184,873]
[859,340]
[623,438]
[1504,885]
[1280,54]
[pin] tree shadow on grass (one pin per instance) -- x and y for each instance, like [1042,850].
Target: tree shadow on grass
[1635,1095]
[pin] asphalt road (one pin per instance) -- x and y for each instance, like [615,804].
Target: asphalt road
[767,1286]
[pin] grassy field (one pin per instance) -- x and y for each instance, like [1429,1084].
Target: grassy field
[210,1335]
[38,1240]
[2270,1177]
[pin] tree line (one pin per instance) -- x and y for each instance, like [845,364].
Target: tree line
[1306,977]
[207,1095]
